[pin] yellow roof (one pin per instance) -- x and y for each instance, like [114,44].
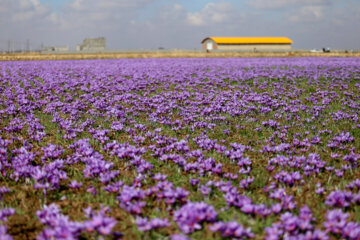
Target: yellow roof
[248,40]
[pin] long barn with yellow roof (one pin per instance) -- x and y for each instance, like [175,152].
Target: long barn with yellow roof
[248,44]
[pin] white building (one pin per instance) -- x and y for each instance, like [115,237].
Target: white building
[92,44]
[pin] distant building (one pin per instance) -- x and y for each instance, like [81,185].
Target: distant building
[92,44]
[248,44]
[56,49]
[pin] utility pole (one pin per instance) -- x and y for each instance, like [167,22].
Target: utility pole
[27,45]
[11,46]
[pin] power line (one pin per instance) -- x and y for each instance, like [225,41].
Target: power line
[26,45]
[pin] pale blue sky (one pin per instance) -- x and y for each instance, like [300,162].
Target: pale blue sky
[188,4]
[55,4]
[129,24]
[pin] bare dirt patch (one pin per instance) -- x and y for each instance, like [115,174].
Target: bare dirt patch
[80,56]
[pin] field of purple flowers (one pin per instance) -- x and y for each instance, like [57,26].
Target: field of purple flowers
[178,149]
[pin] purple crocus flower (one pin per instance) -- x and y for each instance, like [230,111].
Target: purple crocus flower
[191,215]
[74,184]
[232,230]
[336,221]
[5,213]
[145,225]
[179,237]
[3,233]
[339,199]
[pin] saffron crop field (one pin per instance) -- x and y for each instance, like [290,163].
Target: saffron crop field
[256,148]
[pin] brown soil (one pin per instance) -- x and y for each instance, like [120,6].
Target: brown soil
[39,56]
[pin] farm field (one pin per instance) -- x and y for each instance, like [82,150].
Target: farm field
[196,148]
